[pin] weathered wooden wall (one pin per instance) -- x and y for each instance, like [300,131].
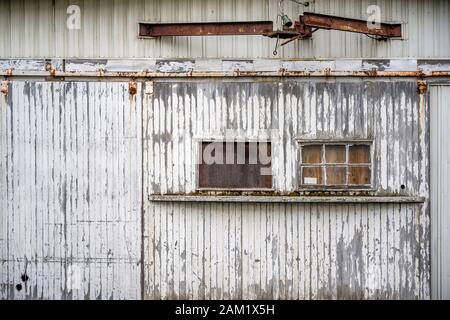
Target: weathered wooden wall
[289,251]
[70,191]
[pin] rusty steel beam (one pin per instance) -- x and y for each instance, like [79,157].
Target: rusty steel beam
[204,28]
[322,21]
[224,74]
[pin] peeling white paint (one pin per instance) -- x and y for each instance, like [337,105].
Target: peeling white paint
[227,67]
[286,250]
[71,195]
[72,192]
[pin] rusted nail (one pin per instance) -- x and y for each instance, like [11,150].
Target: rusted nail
[132,87]
[4,88]
[422,86]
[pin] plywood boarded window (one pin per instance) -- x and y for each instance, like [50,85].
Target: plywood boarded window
[335,165]
[235,165]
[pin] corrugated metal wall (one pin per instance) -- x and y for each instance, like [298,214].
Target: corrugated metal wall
[386,112]
[286,251]
[109,29]
[70,191]
[440,190]
[289,251]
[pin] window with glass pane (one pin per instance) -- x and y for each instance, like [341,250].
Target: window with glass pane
[335,164]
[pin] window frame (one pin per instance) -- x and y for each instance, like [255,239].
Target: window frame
[199,159]
[323,165]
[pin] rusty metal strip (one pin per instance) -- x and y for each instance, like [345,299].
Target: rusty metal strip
[323,21]
[230,74]
[204,28]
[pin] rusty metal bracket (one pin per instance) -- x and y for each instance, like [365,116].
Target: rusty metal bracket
[322,21]
[309,23]
[204,28]
[306,25]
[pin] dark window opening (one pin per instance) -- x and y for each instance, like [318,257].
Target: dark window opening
[235,165]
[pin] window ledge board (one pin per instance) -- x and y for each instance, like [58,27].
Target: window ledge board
[287,199]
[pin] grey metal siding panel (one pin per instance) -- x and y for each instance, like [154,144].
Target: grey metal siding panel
[440,192]
[289,251]
[386,112]
[109,29]
[71,182]
[71,190]
[284,251]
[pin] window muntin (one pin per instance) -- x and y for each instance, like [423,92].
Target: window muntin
[235,166]
[340,165]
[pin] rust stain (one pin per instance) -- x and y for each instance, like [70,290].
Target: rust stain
[51,69]
[372,72]
[422,86]
[132,87]
[4,88]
